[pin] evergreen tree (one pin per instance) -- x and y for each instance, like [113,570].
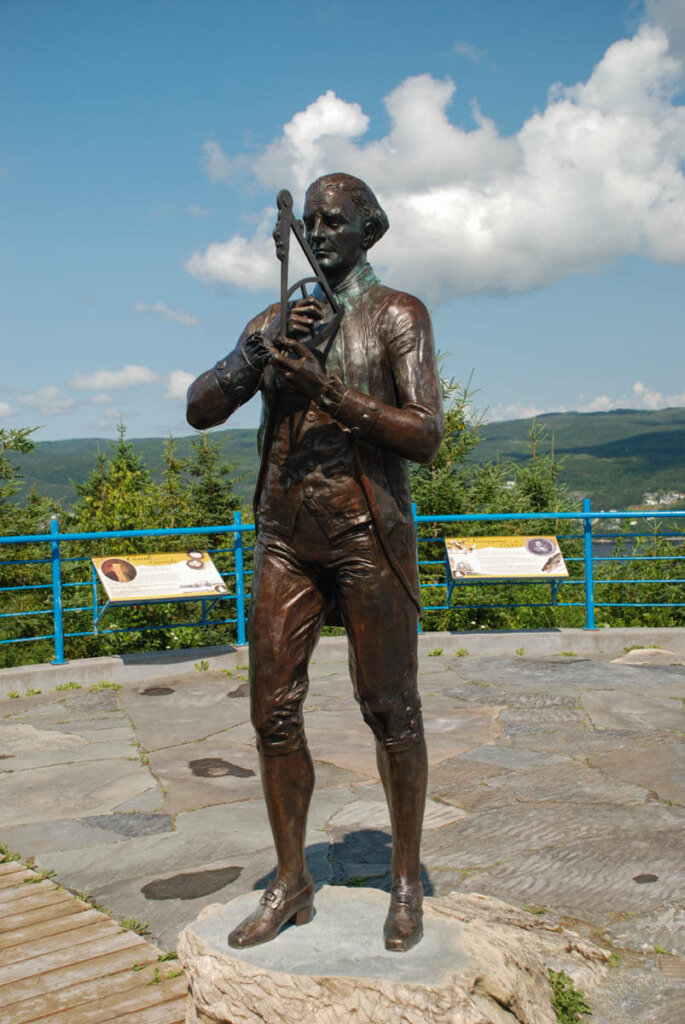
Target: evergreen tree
[173,497]
[211,491]
[119,493]
[12,439]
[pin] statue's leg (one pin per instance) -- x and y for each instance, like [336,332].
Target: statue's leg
[285,620]
[381,622]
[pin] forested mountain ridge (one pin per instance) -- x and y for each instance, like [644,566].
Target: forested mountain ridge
[611,457]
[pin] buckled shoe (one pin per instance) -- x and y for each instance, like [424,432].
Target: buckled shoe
[404,924]
[278,905]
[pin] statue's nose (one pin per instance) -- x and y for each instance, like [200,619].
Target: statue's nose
[317,227]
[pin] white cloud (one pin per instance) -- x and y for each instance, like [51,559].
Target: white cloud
[221,167]
[247,262]
[513,411]
[108,417]
[102,398]
[48,400]
[642,396]
[195,210]
[130,376]
[5,409]
[472,53]
[178,383]
[177,316]
[594,176]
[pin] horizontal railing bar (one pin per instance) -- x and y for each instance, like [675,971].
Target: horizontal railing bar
[185,531]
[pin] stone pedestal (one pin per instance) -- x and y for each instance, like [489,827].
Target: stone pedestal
[480,962]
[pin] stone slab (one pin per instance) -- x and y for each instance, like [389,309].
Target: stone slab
[375,814]
[643,711]
[570,782]
[199,707]
[595,877]
[18,738]
[88,788]
[511,758]
[657,766]
[649,656]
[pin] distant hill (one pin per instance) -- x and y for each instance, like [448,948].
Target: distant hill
[54,466]
[610,457]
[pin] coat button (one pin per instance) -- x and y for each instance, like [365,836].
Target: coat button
[310,417]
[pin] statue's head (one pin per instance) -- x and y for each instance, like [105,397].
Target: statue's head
[374,217]
[342,220]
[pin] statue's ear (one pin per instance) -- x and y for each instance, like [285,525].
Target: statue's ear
[368,235]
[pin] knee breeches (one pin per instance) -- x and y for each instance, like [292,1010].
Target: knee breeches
[295,580]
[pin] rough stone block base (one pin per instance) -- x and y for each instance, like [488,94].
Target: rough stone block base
[480,962]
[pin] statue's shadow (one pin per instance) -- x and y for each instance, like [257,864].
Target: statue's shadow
[356,859]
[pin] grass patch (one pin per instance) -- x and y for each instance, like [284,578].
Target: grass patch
[134,924]
[68,686]
[91,901]
[13,694]
[435,653]
[6,856]
[40,877]
[568,654]
[520,651]
[460,652]
[103,685]
[32,692]
[202,666]
[567,1001]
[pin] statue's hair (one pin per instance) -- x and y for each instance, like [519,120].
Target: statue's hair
[362,197]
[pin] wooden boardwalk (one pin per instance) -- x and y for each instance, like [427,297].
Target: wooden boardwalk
[61,962]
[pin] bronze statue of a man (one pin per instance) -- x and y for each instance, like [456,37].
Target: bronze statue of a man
[335,534]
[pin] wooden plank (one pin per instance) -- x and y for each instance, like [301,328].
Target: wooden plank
[75,974]
[52,911]
[62,962]
[62,923]
[115,1007]
[34,901]
[11,878]
[20,890]
[58,940]
[82,992]
[64,957]
[11,866]
[173,1012]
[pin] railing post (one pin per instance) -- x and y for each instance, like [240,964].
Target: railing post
[57,617]
[239,578]
[589,568]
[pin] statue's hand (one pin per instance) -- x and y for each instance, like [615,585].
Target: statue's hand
[299,371]
[304,313]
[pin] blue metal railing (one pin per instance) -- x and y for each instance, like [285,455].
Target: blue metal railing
[582,577]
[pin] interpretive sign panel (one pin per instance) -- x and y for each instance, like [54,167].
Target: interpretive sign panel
[500,557]
[161,576]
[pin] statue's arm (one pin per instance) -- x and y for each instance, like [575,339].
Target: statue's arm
[413,428]
[219,391]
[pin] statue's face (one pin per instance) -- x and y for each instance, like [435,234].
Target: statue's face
[335,230]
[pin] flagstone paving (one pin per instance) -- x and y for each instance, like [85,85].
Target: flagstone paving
[557,783]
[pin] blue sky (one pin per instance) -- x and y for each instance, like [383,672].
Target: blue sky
[530,156]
